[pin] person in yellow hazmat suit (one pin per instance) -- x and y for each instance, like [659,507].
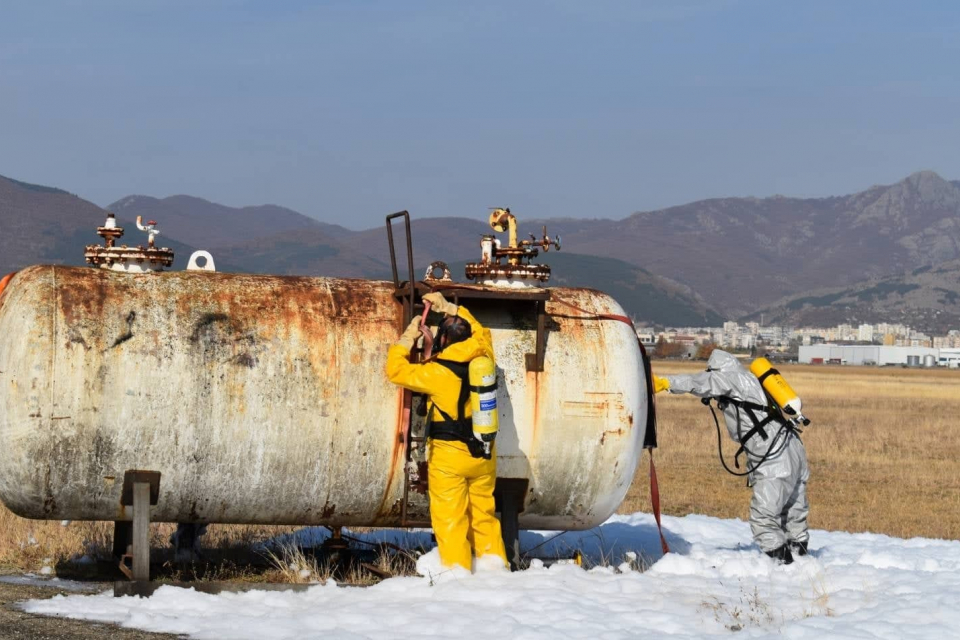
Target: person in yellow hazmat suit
[460,480]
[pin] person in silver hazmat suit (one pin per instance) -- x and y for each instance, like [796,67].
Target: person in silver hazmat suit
[776,459]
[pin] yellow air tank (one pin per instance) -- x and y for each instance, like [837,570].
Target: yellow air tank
[483,400]
[778,389]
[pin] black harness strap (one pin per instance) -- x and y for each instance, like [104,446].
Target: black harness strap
[769,372]
[459,429]
[751,409]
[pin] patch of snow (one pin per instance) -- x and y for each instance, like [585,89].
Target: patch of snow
[715,582]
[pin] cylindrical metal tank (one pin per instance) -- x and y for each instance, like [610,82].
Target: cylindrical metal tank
[913,361]
[263,399]
[929,360]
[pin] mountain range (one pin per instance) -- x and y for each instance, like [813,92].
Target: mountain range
[810,260]
[927,298]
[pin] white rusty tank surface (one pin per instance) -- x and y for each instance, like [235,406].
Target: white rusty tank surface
[263,399]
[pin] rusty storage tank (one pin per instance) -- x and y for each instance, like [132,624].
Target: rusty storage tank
[263,399]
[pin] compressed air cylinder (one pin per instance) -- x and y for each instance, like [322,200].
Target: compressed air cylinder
[263,399]
[483,396]
[774,384]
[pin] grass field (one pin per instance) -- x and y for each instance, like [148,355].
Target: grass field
[883,449]
[884,453]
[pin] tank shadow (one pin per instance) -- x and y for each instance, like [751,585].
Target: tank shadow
[512,462]
[607,544]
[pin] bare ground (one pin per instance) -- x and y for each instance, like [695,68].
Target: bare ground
[15,623]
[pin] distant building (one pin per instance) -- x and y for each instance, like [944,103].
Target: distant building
[950,357]
[870,354]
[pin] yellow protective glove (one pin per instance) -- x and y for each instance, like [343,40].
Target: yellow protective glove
[410,335]
[660,384]
[439,303]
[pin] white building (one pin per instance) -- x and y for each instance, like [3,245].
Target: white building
[950,358]
[869,354]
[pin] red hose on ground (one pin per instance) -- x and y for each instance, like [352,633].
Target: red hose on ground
[655,499]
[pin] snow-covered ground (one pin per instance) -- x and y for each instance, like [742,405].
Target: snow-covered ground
[714,583]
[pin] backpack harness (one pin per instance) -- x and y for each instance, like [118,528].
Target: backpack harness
[459,429]
[751,408]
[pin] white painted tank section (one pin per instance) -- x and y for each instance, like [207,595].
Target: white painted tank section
[263,399]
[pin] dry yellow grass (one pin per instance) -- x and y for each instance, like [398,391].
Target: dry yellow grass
[884,454]
[884,451]
[32,544]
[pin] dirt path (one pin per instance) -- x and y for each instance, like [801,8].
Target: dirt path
[18,624]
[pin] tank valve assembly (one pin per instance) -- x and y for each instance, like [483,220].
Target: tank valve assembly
[518,270]
[126,259]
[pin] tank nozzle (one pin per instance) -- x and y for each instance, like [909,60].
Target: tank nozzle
[150,228]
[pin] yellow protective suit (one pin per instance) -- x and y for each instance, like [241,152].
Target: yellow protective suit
[460,486]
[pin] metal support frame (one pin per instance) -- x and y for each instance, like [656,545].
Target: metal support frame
[538,298]
[410,442]
[141,490]
[535,360]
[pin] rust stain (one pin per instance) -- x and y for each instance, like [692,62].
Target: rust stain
[585,409]
[616,432]
[534,380]
[399,448]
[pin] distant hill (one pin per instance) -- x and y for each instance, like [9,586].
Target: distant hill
[744,253]
[447,239]
[649,298]
[305,252]
[206,224]
[740,254]
[45,225]
[730,256]
[927,298]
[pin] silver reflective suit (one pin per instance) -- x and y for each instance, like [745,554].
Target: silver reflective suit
[778,510]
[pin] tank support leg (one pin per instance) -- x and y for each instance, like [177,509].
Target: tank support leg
[510,528]
[510,495]
[141,531]
[141,490]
